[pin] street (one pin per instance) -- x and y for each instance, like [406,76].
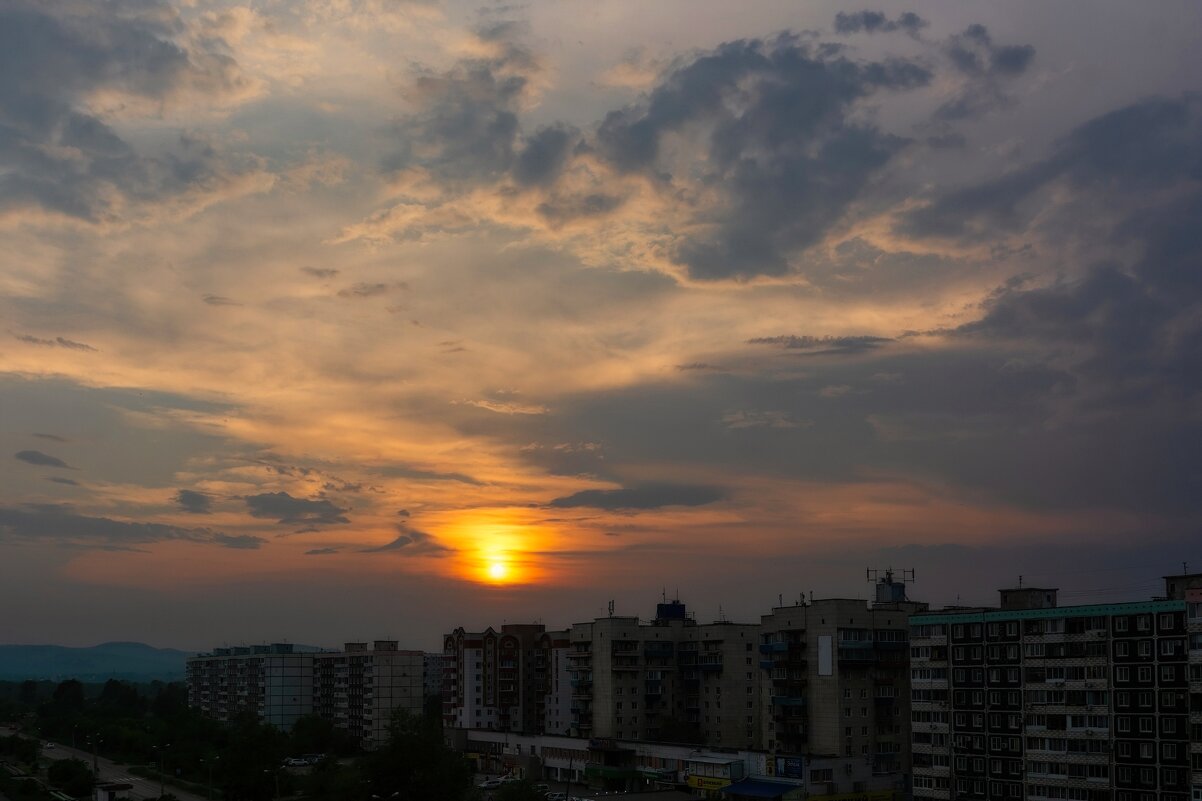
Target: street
[143,788]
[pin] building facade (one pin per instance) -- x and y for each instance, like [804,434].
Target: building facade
[1031,700]
[836,681]
[271,682]
[496,679]
[357,688]
[360,687]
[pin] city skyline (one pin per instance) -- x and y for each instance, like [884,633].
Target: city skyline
[427,314]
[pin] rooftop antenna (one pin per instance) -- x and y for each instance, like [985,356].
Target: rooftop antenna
[665,593]
[1020,582]
[780,599]
[1185,568]
[611,608]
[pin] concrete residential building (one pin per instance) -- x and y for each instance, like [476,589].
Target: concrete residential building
[836,683]
[1099,702]
[670,679]
[495,679]
[435,672]
[271,682]
[359,687]
[557,682]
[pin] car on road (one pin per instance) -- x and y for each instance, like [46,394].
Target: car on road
[48,746]
[296,762]
[557,797]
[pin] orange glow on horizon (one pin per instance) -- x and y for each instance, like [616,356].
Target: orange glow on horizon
[497,546]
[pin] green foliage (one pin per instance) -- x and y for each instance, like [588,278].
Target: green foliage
[71,776]
[316,735]
[19,749]
[417,764]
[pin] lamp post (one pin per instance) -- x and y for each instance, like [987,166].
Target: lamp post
[209,764]
[94,741]
[160,749]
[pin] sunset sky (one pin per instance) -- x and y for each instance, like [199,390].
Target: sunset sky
[339,319]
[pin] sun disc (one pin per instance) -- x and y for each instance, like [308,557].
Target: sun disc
[497,571]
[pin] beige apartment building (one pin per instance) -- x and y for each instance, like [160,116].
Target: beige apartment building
[359,687]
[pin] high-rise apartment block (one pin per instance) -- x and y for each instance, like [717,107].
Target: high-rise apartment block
[270,682]
[500,679]
[668,679]
[357,688]
[1032,700]
[837,680]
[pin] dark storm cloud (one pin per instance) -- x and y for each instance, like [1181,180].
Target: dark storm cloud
[784,152]
[412,542]
[364,290]
[290,511]
[57,342]
[647,496]
[1149,144]
[985,66]
[197,503]
[544,155]
[320,272]
[823,346]
[467,127]
[62,525]
[54,154]
[245,542]
[876,22]
[41,459]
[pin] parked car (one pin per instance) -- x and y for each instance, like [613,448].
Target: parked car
[295,762]
[556,797]
[490,784]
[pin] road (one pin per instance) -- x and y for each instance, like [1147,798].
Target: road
[109,772]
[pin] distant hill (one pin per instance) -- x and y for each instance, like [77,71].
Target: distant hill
[132,661]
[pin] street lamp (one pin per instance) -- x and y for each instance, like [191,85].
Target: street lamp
[209,763]
[94,741]
[276,774]
[159,749]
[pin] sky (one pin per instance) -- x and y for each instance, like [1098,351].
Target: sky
[327,320]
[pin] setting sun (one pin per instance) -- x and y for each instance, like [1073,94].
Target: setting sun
[498,571]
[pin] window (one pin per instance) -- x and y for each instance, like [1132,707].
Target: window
[1120,624]
[1122,649]
[1122,673]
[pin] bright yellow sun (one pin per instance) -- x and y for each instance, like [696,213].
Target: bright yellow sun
[498,571]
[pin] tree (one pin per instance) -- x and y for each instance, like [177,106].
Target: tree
[416,764]
[72,776]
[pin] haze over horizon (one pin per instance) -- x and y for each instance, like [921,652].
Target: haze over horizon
[353,319]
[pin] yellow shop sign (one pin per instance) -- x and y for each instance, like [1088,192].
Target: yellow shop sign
[708,783]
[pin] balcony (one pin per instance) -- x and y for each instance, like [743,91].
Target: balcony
[788,700]
[774,648]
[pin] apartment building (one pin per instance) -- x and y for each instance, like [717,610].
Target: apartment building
[1032,700]
[356,688]
[557,682]
[359,687]
[272,682]
[836,682]
[668,679]
[496,679]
